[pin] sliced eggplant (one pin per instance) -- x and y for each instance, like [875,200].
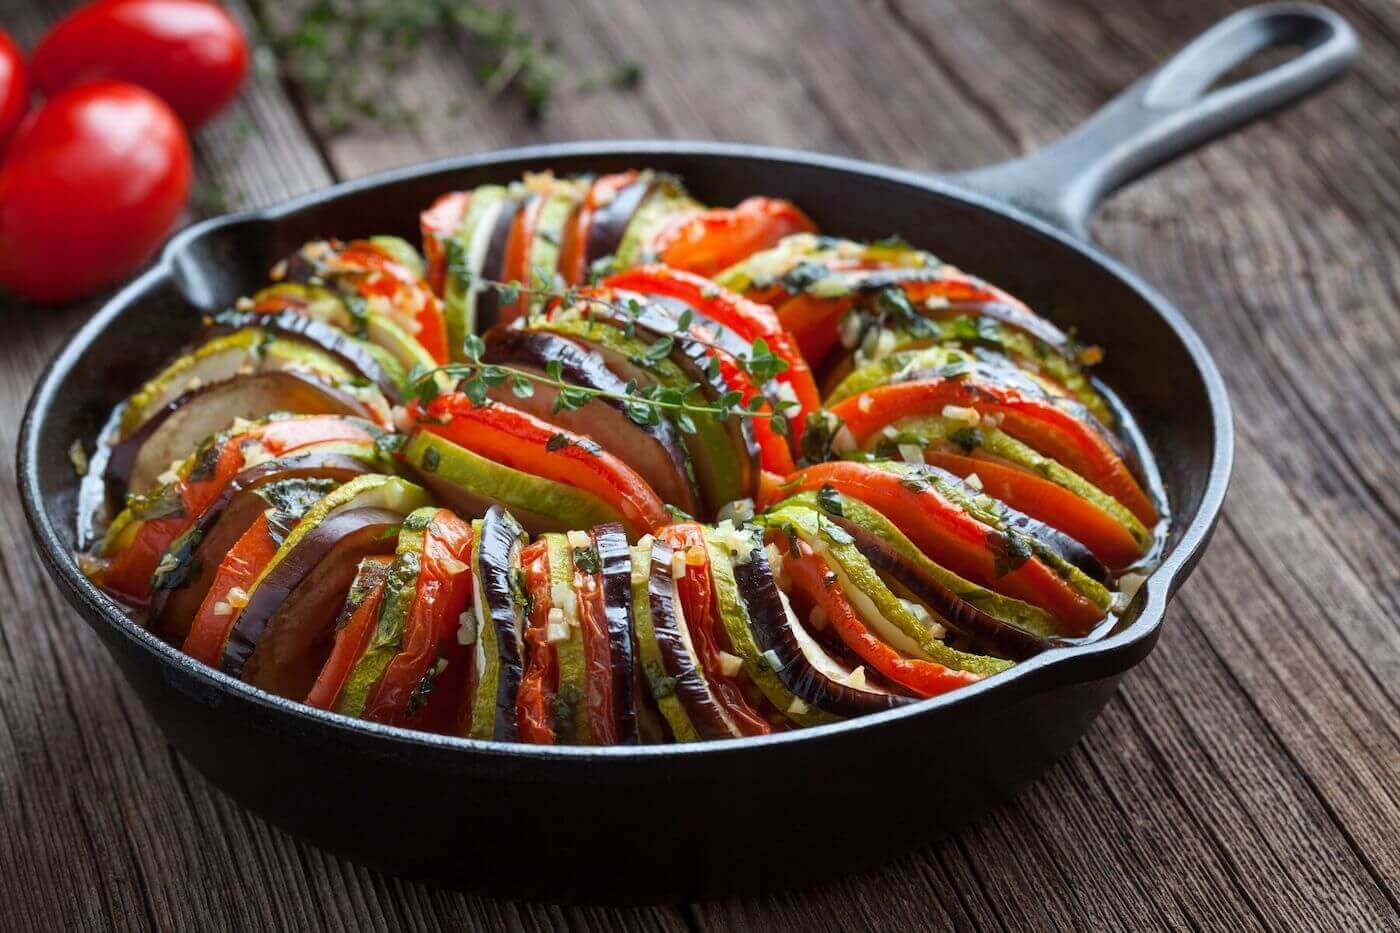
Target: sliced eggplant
[724,470]
[655,451]
[178,428]
[371,361]
[183,576]
[296,602]
[220,357]
[488,299]
[678,656]
[610,221]
[817,680]
[500,613]
[615,569]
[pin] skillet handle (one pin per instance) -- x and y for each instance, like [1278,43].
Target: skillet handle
[1172,111]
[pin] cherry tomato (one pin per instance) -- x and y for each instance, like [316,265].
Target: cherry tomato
[14,87]
[92,182]
[189,52]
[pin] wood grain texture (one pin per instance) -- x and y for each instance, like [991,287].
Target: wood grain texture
[1246,776]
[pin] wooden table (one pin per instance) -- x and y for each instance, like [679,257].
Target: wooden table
[1248,775]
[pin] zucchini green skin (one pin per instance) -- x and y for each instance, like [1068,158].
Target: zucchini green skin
[460,291]
[400,588]
[662,687]
[571,718]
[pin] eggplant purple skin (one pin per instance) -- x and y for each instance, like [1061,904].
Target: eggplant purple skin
[610,222]
[499,559]
[769,619]
[288,574]
[121,461]
[311,465]
[488,300]
[985,630]
[615,559]
[690,685]
[582,367]
[319,334]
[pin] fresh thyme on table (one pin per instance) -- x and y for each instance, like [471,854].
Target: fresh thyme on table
[645,405]
[342,54]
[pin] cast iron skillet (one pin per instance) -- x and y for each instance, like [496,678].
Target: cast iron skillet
[676,822]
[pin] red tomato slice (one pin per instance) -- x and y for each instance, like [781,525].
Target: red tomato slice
[412,296]
[1039,423]
[443,592]
[216,616]
[535,697]
[597,659]
[573,259]
[517,258]
[951,537]
[439,223]
[1039,498]
[707,242]
[812,579]
[350,640]
[522,441]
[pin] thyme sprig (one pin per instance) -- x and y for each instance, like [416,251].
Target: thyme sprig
[645,405]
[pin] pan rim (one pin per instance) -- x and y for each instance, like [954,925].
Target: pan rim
[1111,656]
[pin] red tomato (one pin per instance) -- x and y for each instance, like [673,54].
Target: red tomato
[14,87]
[92,182]
[189,52]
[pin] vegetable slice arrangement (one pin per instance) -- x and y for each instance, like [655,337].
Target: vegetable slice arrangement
[609,466]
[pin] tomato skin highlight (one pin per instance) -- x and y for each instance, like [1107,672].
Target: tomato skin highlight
[190,53]
[210,629]
[14,88]
[535,695]
[92,182]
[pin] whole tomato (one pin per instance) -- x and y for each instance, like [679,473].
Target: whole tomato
[189,52]
[14,88]
[92,182]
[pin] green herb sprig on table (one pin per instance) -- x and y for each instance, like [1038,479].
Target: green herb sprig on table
[645,405]
[343,53]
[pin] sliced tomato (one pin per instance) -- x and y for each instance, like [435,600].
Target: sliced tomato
[523,442]
[597,658]
[813,580]
[774,451]
[707,242]
[697,603]
[1036,421]
[815,323]
[443,591]
[239,569]
[439,224]
[411,296]
[1108,539]
[951,537]
[515,266]
[349,644]
[535,697]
